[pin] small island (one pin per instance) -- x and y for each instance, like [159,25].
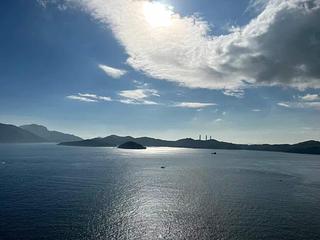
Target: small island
[131,145]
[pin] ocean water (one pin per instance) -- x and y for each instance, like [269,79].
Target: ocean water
[56,192]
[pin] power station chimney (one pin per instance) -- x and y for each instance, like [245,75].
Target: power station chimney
[206,137]
[200,137]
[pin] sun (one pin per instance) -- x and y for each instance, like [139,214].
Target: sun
[158,14]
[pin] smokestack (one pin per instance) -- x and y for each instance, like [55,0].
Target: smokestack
[200,137]
[206,137]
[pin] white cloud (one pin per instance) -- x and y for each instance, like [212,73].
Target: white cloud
[194,105]
[88,97]
[304,105]
[59,3]
[112,72]
[238,93]
[314,105]
[135,102]
[310,97]
[257,110]
[218,120]
[138,96]
[103,98]
[281,104]
[82,99]
[140,84]
[281,46]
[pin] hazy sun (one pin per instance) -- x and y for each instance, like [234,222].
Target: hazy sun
[158,14]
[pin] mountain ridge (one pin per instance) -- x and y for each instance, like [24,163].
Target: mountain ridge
[48,135]
[306,147]
[13,134]
[32,133]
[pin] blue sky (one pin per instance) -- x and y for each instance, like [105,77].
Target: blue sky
[241,71]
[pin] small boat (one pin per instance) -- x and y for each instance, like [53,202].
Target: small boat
[214,153]
[163,167]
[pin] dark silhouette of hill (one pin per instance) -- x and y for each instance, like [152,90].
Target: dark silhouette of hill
[94,142]
[131,145]
[308,147]
[50,136]
[13,134]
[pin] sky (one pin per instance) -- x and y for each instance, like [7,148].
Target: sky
[242,71]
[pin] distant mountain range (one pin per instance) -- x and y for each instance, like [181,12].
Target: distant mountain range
[13,134]
[308,147]
[32,134]
[36,133]
[50,136]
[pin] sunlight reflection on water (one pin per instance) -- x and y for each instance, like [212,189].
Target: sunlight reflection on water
[154,151]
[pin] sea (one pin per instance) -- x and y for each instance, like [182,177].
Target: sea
[84,193]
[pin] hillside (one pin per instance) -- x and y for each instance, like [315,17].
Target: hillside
[12,134]
[50,136]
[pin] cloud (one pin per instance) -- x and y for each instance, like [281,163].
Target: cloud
[138,96]
[257,110]
[43,3]
[108,99]
[112,72]
[140,84]
[310,97]
[303,105]
[88,97]
[281,104]
[194,105]
[238,93]
[218,120]
[141,96]
[82,99]
[59,3]
[314,105]
[280,46]
[135,102]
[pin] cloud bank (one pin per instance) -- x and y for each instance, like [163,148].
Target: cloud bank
[281,46]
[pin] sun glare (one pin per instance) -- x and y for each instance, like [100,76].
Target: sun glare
[158,14]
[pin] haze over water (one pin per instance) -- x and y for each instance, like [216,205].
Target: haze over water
[55,192]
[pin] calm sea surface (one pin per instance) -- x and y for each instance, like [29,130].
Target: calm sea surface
[56,192]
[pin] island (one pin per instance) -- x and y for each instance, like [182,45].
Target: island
[131,145]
